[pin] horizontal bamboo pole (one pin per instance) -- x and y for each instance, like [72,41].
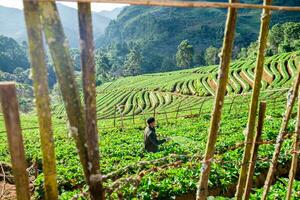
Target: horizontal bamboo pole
[10,109]
[187,4]
[40,83]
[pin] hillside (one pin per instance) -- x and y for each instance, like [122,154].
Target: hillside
[159,30]
[164,91]
[13,24]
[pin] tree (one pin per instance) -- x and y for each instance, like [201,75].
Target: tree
[211,55]
[103,68]
[185,54]
[133,62]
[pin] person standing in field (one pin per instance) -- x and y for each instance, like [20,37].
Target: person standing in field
[151,142]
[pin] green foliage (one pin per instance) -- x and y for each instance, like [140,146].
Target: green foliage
[12,55]
[133,62]
[211,56]
[185,54]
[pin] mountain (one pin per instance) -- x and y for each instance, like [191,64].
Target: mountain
[113,14]
[159,30]
[13,24]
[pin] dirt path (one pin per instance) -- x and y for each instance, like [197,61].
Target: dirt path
[7,191]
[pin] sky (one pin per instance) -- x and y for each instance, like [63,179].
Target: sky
[97,7]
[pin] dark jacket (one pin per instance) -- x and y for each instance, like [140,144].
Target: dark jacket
[150,140]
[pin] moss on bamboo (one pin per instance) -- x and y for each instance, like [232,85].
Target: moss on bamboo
[89,90]
[63,64]
[39,72]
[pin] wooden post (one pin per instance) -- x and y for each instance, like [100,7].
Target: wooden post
[115,115]
[202,103]
[178,109]
[202,189]
[295,153]
[254,151]
[63,64]
[292,95]
[231,104]
[264,30]
[40,84]
[10,109]
[89,90]
[274,103]
[166,115]
[133,120]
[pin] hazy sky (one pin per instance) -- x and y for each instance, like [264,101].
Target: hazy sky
[95,6]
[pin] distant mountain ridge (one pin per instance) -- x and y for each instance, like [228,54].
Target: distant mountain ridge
[159,30]
[13,24]
[113,14]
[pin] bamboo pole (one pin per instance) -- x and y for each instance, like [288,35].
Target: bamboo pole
[89,90]
[115,115]
[264,30]
[280,138]
[231,104]
[63,64]
[295,152]
[10,109]
[178,110]
[254,151]
[189,4]
[40,84]
[202,190]
[296,147]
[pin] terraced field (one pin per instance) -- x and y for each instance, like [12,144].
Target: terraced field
[186,88]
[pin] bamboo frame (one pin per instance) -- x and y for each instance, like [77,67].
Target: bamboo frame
[296,148]
[280,138]
[40,84]
[63,64]
[10,109]
[202,190]
[254,151]
[89,90]
[264,30]
[295,152]
[186,4]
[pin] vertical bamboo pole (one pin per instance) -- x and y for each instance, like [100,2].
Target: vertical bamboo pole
[10,109]
[296,149]
[63,64]
[202,190]
[115,115]
[264,30]
[280,138]
[133,120]
[166,116]
[231,104]
[200,109]
[254,151]
[178,110]
[40,84]
[89,90]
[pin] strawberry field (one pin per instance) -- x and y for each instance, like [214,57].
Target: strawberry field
[182,102]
